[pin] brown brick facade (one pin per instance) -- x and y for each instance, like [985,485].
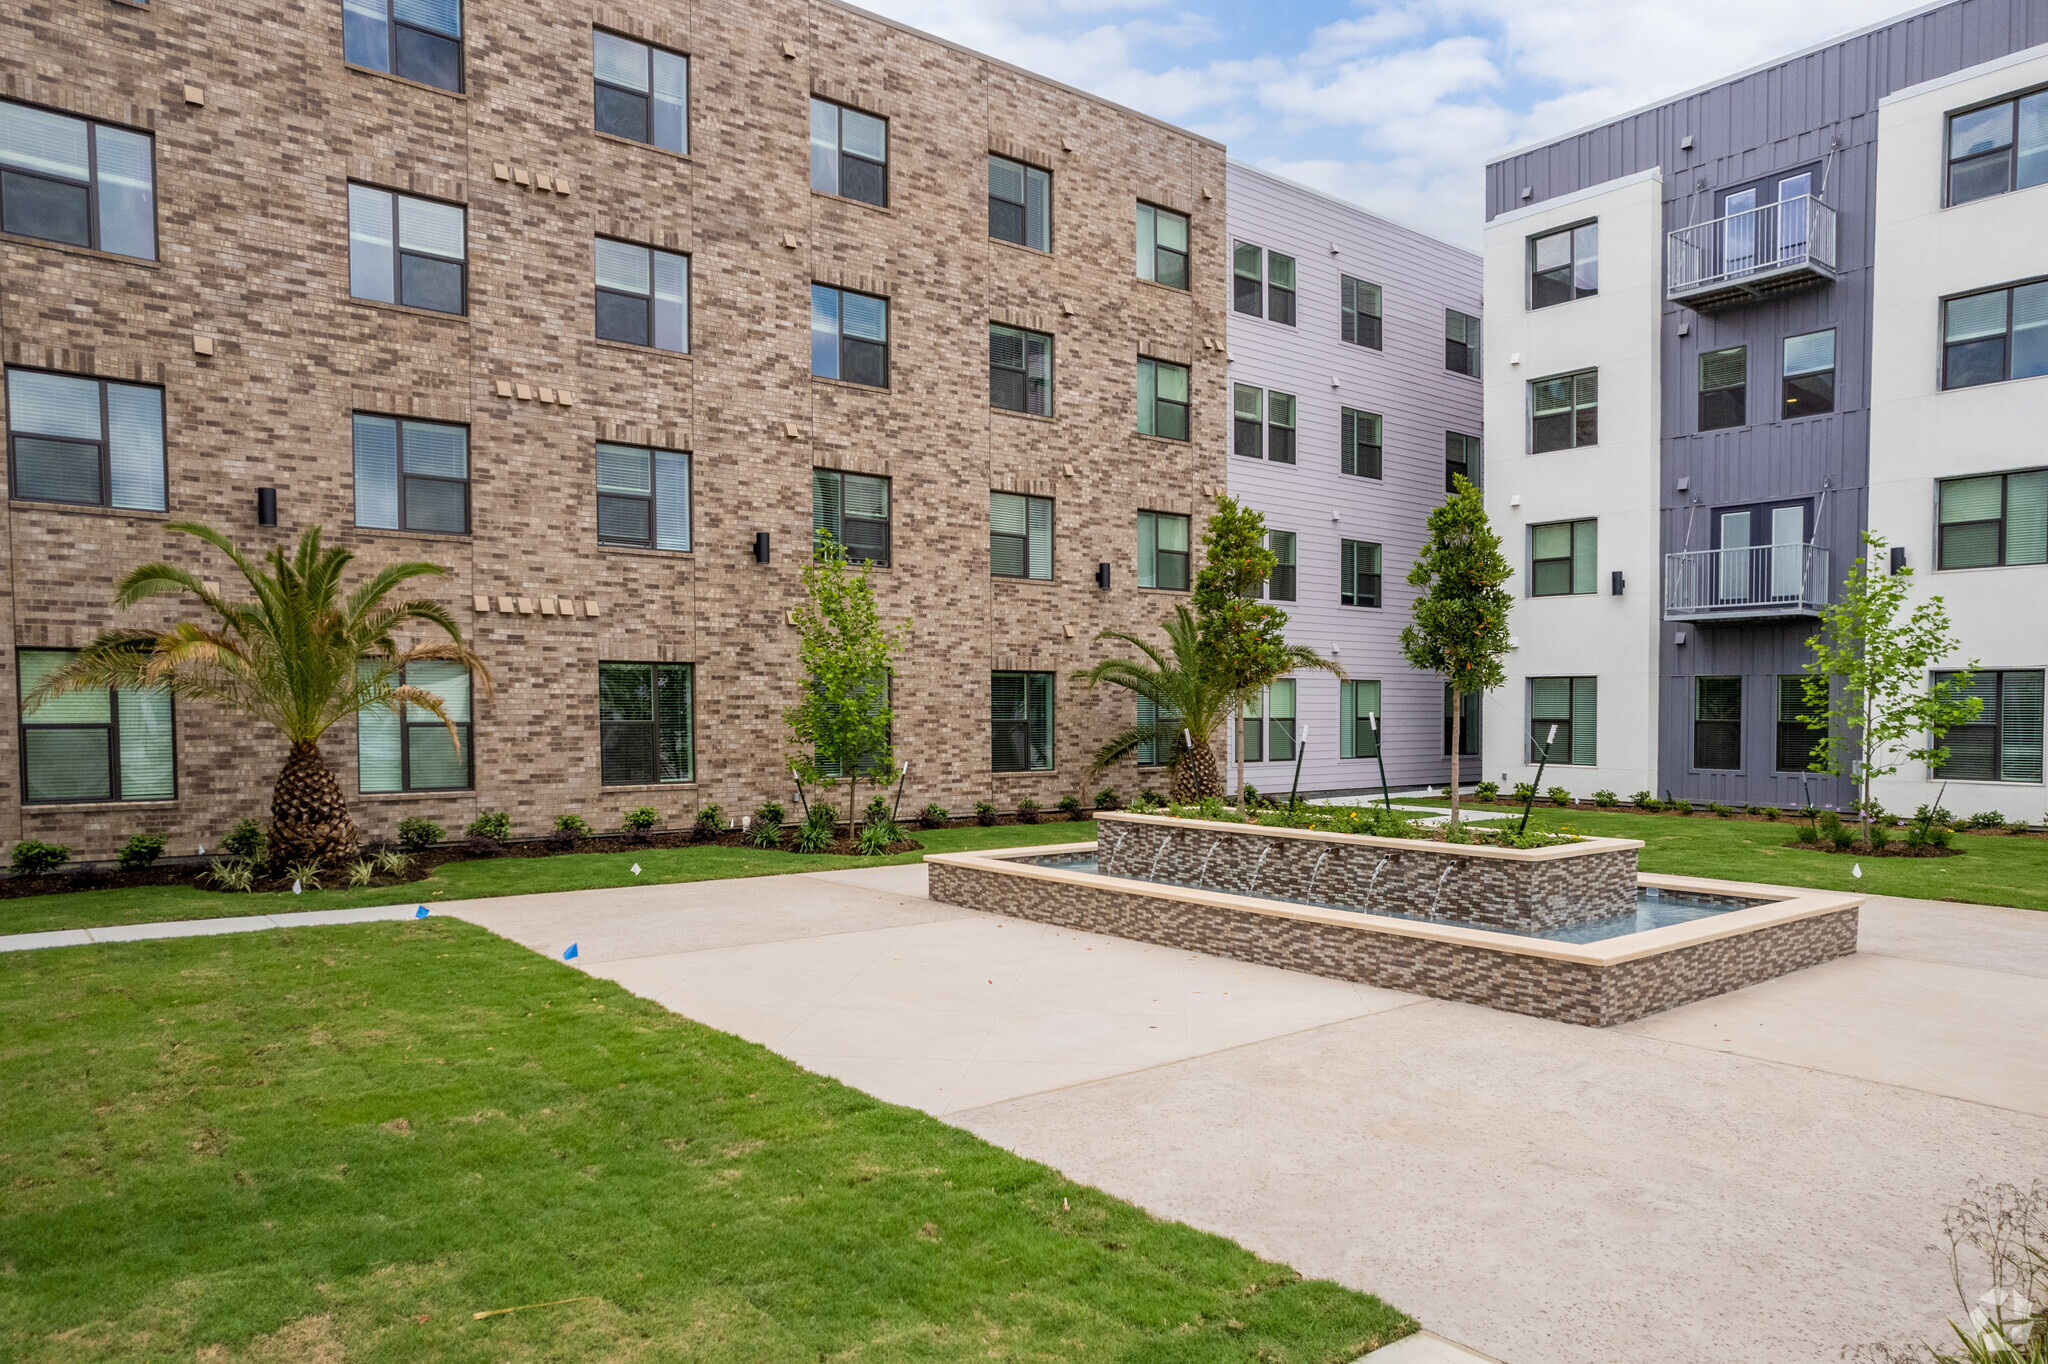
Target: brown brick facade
[252,220]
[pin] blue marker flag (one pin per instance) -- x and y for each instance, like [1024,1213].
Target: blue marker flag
[570,955]
[422,914]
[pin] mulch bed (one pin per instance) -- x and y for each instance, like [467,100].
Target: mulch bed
[1786,818]
[1896,848]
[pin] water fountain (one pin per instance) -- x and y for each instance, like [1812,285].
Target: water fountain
[1367,907]
[1199,875]
[1254,889]
[1314,874]
[1449,867]
[1164,841]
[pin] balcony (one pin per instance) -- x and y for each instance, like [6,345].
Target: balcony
[1781,248]
[1760,582]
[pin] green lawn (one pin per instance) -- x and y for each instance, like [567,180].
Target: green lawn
[499,876]
[329,1143]
[1994,870]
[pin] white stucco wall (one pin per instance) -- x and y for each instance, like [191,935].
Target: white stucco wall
[1919,433]
[1616,331]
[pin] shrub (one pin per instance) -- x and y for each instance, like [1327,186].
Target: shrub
[770,812]
[1106,798]
[1933,814]
[573,826]
[482,845]
[495,825]
[232,873]
[33,857]
[1720,811]
[765,834]
[1825,822]
[2018,826]
[1606,800]
[1070,806]
[1873,810]
[1524,790]
[1488,791]
[709,823]
[394,862]
[641,821]
[1681,808]
[874,839]
[875,810]
[1027,811]
[1557,795]
[141,850]
[934,816]
[1940,837]
[1643,799]
[1984,819]
[984,813]
[361,872]
[1771,812]
[306,874]
[815,833]
[247,842]
[1877,835]
[417,833]
[1842,836]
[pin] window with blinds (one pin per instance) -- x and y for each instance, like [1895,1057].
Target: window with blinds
[1280,427]
[1162,399]
[643,296]
[1997,335]
[1360,309]
[1809,381]
[1358,719]
[854,510]
[1468,723]
[92,745]
[411,475]
[1020,721]
[640,92]
[849,153]
[1461,459]
[1998,148]
[1461,343]
[409,749]
[1162,246]
[2004,742]
[1994,520]
[1564,412]
[1163,551]
[1724,388]
[1571,706]
[1156,749]
[1360,435]
[1019,371]
[76,181]
[1563,558]
[85,441]
[646,723]
[1802,726]
[1019,203]
[1020,536]
[1564,265]
[1248,421]
[643,497]
[1717,723]
[1358,573]
[420,40]
[404,249]
[1281,585]
[849,336]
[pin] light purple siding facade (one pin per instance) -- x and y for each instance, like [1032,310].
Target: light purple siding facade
[1419,400]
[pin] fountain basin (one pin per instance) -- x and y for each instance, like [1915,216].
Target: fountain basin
[1770,931]
[1518,889]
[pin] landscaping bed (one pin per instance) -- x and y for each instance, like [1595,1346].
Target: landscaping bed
[347,1142]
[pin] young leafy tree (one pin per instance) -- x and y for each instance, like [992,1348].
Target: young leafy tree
[1243,638]
[840,727]
[302,657]
[1188,694]
[1460,622]
[1884,702]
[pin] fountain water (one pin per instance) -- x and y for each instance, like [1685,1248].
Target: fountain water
[1152,873]
[1311,895]
[1255,869]
[1204,871]
[1367,907]
[1448,869]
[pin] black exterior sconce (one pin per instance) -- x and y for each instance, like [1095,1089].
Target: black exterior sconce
[760,546]
[266,506]
[1102,576]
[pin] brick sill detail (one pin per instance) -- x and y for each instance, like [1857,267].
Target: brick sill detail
[636,348]
[886,209]
[25,504]
[407,80]
[90,253]
[883,389]
[686,158]
[71,806]
[407,310]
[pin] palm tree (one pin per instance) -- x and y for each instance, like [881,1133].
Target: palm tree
[1189,696]
[301,656]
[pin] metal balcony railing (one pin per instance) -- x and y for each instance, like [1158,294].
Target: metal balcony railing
[1760,582]
[1761,252]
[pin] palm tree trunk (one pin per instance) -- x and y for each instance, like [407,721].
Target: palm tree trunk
[309,814]
[1195,776]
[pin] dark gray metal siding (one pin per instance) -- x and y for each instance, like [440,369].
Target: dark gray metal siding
[1777,119]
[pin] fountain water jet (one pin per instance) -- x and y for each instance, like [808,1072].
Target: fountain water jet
[1255,869]
[1204,869]
[1366,908]
[1311,895]
[1152,873]
[1438,898]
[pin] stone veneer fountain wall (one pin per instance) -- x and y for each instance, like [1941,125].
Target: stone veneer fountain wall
[1529,891]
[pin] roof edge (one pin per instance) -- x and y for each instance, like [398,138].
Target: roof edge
[1231,163]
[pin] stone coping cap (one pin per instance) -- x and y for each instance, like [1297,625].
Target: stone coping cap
[1794,905]
[1585,847]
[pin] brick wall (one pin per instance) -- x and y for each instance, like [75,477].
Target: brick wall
[252,224]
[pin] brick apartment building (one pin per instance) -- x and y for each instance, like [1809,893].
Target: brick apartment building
[388,263]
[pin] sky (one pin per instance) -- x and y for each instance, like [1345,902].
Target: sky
[1396,105]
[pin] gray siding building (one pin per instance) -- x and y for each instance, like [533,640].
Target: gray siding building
[1344,407]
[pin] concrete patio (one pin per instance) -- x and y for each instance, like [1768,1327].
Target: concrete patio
[1757,1177]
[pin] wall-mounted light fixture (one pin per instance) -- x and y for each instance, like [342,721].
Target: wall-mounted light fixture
[1102,576]
[1898,558]
[1616,583]
[266,506]
[760,546]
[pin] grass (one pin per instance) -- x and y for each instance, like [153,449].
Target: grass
[499,876]
[1993,870]
[342,1142]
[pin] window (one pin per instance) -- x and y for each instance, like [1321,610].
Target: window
[1809,374]
[420,40]
[1564,265]
[93,745]
[1358,712]
[411,475]
[1162,399]
[849,336]
[1263,283]
[1461,460]
[85,441]
[1163,551]
[1279,288]
[1468,723]
[1717,723]
[410,750]
[1562,558]
[643,497]
[849,153]
[1361,309]
[1361,437]
[1724,388]
[643,296]
[75,181]
[1019,203]
[1280,586]
[1019,371]
[1162,246]
[1248,419]
[1359,573]
[854,510]
[1802,728]
[1020,722]
[1020,536]
[1280,427]
[1570,704]
[1274,412]
[1461,343]
[406,250]
[1994,520]
[1564,412]
[1267,735]
[1987,155]
[645,723]
[1155,751]
[873,697]
[2004,742]
[1991,337]
[641,92]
